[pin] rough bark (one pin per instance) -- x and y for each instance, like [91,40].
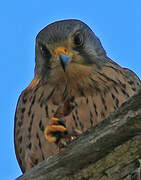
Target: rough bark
[110,150]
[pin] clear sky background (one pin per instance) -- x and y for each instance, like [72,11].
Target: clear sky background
[116,23]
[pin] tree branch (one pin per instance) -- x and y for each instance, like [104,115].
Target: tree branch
[112,146]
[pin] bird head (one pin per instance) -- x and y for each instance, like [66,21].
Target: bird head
[65,48]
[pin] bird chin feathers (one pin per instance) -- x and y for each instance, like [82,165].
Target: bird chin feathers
[74,72]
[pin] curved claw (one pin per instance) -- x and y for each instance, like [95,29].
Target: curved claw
[54,130]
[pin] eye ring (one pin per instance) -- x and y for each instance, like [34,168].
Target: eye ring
[78,39]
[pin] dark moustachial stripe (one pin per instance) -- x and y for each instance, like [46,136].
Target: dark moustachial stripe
[87,59]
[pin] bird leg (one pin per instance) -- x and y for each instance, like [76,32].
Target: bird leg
[56,131]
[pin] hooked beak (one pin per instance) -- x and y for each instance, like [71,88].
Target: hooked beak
[64,60]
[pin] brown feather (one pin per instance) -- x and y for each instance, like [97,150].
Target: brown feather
[83,95]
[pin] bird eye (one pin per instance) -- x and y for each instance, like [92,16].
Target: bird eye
[44,51]
[78,39]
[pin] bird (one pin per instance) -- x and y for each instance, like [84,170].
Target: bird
[75,86]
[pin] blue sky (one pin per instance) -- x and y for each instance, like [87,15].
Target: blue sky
[116,23]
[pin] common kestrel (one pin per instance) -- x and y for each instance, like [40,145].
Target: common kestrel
[75,86]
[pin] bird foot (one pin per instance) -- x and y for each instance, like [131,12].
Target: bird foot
[56,132]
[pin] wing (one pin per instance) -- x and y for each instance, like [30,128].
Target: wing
[133,77]
[108,89]
[32,115]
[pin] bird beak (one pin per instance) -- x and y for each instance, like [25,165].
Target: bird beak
[64,60]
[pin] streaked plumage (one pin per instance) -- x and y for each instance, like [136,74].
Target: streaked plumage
[79,92]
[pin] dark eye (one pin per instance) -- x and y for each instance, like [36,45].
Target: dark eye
[78,39]
[44,51]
